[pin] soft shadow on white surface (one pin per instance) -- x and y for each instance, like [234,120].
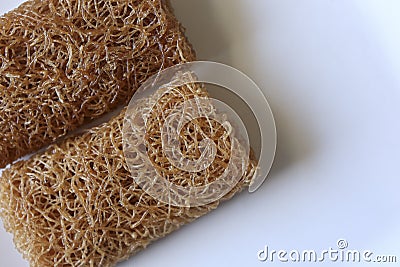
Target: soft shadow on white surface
[6,6]
[221,31]
[334,96]
[8,255]
[334,90]
[205,28]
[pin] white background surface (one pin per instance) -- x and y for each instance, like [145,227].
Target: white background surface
[330,70]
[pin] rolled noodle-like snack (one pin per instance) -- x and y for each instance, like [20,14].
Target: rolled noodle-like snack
[77,204]
[63,62]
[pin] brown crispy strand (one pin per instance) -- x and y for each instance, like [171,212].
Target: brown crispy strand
[64,62]
[77,204]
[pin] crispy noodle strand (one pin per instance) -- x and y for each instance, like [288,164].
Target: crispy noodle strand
[77,204]
[63,62]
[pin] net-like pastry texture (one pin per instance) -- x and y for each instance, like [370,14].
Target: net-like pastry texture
[77,204]
[179,148]
[63,62]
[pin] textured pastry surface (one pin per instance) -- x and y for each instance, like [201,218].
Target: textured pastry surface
[64,62]
[78,205]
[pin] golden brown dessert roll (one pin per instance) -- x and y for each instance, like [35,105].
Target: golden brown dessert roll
[63,62]
[77,204]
